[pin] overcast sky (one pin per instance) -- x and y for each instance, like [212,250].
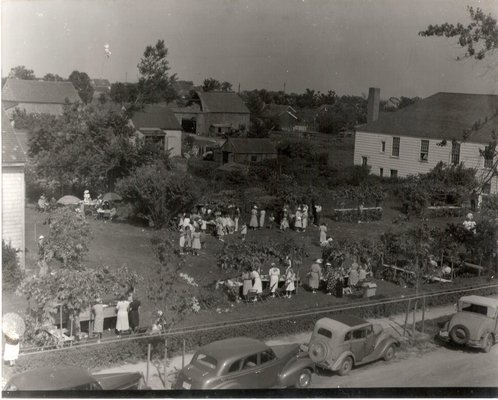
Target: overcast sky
[346,46]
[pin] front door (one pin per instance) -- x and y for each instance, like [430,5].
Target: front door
[248,378]
[369,341]
[225,157]
[268,369]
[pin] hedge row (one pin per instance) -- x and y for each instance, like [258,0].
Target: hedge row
[439,212]
[355,215]
[105,355]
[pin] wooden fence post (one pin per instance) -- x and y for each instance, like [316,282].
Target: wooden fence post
[423,314]
[183,354]
[406,316]
[165,360]
[148,364]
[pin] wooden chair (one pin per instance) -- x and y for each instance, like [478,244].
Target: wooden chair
[253,296]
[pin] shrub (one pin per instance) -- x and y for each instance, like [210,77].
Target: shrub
[12,274]
[489,206]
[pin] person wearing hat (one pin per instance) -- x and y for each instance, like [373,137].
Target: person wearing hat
[274,273]
[314,275]
[469,223]
[253,223]
[298,224]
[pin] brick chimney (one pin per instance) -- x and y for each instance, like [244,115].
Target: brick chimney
[373,104]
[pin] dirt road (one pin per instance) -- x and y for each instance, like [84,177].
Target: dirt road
[431,367]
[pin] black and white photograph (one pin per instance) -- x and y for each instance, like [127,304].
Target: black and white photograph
[249,198]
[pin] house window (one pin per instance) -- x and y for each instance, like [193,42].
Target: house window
[395,152]
[486,188]
[424,150]
[254,158]
[455,153]
[394,173]
[364,161]
[383,146]
[381,172]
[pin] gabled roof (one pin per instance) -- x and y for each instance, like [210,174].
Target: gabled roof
[12,151]
[31,91]
[442,116]
[249,146]
[222,102]
[155,116]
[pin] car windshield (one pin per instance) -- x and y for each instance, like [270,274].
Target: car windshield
[476,308]
[205,360]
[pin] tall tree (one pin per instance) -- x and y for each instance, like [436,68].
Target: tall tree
[53,77]
[81,82]
[226,86]
[155,84]
[21,72]
[211,84]
[479,37]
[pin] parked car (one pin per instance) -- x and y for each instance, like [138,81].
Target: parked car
[339,343]
[245,363]
[73,378]
[475,324]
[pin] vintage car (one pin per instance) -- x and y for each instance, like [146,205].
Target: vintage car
[339,343]
[245,363]
[73,378]
[475,324]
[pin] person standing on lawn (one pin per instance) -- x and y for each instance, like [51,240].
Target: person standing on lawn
[274,273]
[290,276]
[262,219]
[182,241]
[298,224]
[98,319]
[11,348]
[271,220]
[330,276]
[122,323]
[188,238]
[134,314]
[246,282]
[305,217]
[253,223]
[243,232]
[323,232]
[314,275]
[196,242]
[236,218]
[256,279]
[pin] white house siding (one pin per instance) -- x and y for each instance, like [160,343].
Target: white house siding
[13,208]
[173,142]
[369,145]
[38,108]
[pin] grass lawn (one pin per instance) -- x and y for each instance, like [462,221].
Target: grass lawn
[121,243]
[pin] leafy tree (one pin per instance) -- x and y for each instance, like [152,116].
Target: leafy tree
[75,290]
[53,78]
[81,82]
[407,101]
[21,72]
[479,37]
[11,270]
[68,238]
[124,93]
[155,84]
[158,192]
[211,84]
[226,86]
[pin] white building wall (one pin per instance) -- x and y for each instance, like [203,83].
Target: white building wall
[13,203]
[370,145]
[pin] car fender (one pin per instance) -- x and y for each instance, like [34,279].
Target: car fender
[228,385]
[339,361]
[289,373]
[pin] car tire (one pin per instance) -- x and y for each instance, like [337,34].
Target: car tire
[303,379]
[346,366]
[318,352]
[488,342]
[460,334]
[389,353]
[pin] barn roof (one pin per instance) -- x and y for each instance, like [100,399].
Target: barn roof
[222,102]
[31,91]
[249,146]
[156,116]
[442,116]
[12,151]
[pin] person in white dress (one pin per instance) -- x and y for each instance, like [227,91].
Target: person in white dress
[262,214]
[122,323]
[290,276]
[304,218]
[11,348]
[258,285]
[298,224]
[274,278]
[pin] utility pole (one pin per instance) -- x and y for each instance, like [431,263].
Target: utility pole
[284,87]
[126,77]
[239,88]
